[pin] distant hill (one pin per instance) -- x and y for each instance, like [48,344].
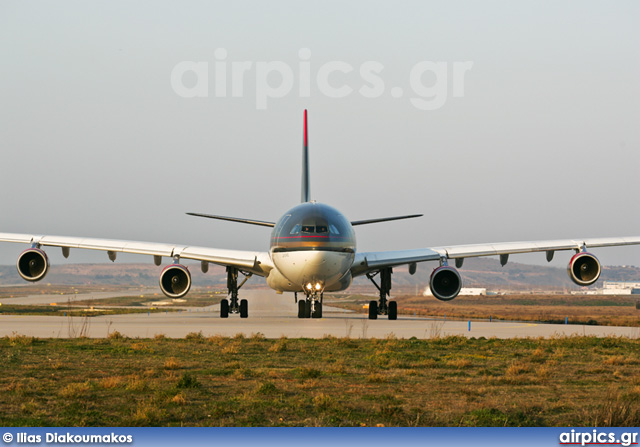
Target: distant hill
[477,272]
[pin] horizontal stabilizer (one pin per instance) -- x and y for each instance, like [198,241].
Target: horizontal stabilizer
[384,219]
[236,219]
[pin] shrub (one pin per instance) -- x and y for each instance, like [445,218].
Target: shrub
[187,381]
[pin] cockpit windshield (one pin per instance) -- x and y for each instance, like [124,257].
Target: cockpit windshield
[313,229]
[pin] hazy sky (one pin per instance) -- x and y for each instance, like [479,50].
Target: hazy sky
[543,144]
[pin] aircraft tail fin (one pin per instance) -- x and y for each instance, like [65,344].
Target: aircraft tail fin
[305,161]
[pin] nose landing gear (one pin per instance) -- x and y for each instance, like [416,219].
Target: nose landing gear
[311,306]
[383,306]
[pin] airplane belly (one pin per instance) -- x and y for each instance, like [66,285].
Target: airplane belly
[313,266]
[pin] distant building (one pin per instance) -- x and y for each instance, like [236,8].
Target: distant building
[620,288]
[465,291]
[620,285]
[613,288]
[468,291]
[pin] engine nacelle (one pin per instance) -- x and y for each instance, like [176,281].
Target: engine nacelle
[584,269]
[175,281]
[33,264]
[445,283]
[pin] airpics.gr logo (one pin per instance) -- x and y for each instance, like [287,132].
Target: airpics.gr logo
[598,438]
[429,81]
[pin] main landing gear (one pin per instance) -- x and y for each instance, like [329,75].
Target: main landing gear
[383,306]
[233,305]
[310,307]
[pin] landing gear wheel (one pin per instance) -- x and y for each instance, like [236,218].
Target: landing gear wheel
[244,308]
[393,310]
[373,310]
[307,309]
[301,308]
[382,305]
[318,310]
[234,305]
[224,308]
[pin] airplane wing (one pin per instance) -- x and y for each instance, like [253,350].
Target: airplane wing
[255,262]
[369,262]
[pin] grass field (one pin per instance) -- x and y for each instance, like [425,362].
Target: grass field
[196,298]
[56,289]
[218,381]
[73,311]
[578,309]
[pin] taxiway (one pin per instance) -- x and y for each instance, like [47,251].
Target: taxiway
[275,316]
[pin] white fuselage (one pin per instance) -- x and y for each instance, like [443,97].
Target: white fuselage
[320,269]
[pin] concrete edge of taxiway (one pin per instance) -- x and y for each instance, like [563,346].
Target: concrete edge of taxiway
[178,325]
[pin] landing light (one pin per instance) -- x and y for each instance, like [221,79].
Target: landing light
[309,286]
[318,286]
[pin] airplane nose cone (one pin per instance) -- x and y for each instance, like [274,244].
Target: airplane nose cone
[315,258]
[302,267]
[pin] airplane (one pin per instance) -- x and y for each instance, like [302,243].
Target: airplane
[312,251]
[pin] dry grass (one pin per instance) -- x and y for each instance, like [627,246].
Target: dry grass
[459,363]
[171,363]
[74,390]
[231,348]
[137,383]
[279,346]
[179,399]
[617,410]
[602,310]
[115,335]
[615,360]
[377,378]
[22,340]
[333,381]
[111,382]
[517,368]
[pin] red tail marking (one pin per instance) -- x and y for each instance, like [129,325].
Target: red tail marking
[306,144]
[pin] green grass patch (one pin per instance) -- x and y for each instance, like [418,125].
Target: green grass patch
[218,381]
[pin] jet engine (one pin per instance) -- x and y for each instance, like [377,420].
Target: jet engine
[584,269]
[175,281]
[445,283]
[33,264]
